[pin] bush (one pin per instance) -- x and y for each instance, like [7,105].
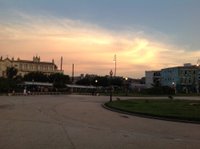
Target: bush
[161,90]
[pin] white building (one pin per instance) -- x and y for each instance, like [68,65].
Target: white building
[152,77]
[27,66]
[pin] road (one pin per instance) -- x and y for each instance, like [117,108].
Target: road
[80,122]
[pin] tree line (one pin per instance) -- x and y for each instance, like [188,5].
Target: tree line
[103,81]
[12,80]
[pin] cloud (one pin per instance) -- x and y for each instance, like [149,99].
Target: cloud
[90,47]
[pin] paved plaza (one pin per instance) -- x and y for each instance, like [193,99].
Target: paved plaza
[80,122]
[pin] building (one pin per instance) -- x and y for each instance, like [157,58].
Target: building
[27,66]
[184,79]
[152,78]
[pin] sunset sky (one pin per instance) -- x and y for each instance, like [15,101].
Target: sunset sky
[144,34]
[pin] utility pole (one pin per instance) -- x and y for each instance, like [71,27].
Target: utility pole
[61,63]
[72,89]
[72,73]
[198,76]
[115,61]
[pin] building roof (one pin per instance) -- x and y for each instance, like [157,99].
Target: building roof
[183,67]
[28,61]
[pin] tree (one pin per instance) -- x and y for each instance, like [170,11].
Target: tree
[8,84]
[159,90]
[4,85]
[36,76]
[59,80]
[84,81]
[117,81]
[11,72]
[101,81]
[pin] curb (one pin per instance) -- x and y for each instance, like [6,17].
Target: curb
[148,115]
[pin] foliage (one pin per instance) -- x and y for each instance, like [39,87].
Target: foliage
[4,86]
[117,81]
[59,80]
[11,72]
[100,81]
[36,77]
[159,90]
[7,85]
[104,81]
[10,83]
[84,81]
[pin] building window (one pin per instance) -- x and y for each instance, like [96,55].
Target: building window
[185,71]
[189,81]
[20,66]
[25,66]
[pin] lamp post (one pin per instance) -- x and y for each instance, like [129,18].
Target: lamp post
[33,85]
[174,87]
[126,85]
[111,73]
[96,81]
[197,77]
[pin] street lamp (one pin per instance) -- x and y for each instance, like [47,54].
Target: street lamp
[33,85]
[197,76]
[174,87]
[126,85]
[96,81]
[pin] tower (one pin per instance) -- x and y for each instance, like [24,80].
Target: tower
[198,62]
[72,73]
[115,61]
[61,63]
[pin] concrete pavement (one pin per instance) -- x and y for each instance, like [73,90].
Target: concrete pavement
[79,122]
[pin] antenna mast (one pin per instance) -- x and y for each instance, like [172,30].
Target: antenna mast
[115,60]
[198,62]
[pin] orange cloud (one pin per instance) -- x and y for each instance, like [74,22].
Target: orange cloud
[89,47]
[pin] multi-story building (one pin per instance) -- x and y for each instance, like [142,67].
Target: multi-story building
[27,66]
[152,78]
[182,78]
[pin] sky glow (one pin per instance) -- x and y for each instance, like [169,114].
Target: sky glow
[88,44]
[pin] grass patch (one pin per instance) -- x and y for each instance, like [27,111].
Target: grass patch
[175,109]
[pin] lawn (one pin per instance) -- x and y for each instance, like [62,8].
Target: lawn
[173,109]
